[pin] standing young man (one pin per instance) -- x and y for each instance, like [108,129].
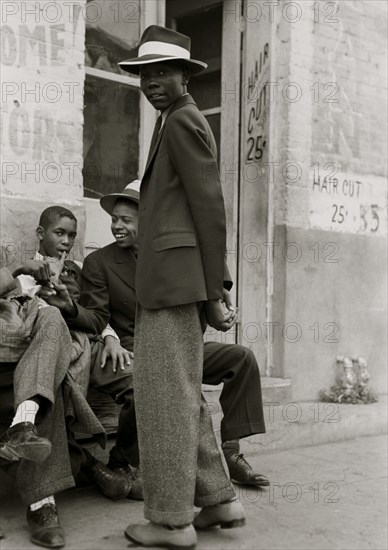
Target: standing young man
[179,285]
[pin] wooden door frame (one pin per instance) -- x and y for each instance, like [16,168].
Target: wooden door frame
[230,136]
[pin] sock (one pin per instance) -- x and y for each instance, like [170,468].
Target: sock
[36,505]
[230,448]
[26,412]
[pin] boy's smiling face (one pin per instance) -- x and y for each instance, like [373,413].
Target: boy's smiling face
[163,83]
[58,237]
[124,223]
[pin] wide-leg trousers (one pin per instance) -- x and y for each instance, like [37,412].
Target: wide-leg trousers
[181,461]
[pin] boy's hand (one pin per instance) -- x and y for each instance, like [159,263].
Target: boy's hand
[216,316]
[116,353]
[56,266]
[41,271]
[59,298]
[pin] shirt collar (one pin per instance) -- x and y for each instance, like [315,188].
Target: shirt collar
[39,258]
[166,112]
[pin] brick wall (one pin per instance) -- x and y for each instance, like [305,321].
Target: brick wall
[330,99]
[330,204]
[41,108]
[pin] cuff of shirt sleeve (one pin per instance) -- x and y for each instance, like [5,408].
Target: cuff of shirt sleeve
[108,331]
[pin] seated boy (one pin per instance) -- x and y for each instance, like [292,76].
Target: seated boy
[110,366]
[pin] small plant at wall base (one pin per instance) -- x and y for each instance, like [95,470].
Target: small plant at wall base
[351,383]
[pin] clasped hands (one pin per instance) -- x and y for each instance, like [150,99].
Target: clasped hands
[216,316]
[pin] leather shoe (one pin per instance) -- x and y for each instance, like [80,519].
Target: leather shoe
[134,477]
[226,514]
[242,472]
[113,485]
[153,534]
[22,441]
[45,528]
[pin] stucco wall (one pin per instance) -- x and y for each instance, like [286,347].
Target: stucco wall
[42,115]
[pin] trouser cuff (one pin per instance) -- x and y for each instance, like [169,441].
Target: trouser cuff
[241,431]
[222,495]
[39,391]
[169,518]
[33,494]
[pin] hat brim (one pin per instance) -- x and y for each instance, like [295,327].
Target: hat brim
[133,65]
[108,201]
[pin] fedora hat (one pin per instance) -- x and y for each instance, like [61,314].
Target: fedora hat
[130,193]
[159,44]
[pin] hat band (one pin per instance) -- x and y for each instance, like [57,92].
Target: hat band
[162,48]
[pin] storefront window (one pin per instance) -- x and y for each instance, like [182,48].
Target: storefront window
[111,98]
[112,33]
[111,136]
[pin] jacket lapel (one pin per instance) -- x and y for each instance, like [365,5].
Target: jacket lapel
[154,148]
[123,263]
[184,100]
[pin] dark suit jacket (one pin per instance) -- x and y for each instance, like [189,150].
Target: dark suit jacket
[108,293]
[182,228]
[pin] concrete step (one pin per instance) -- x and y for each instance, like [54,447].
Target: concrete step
[292,424]
[274,390]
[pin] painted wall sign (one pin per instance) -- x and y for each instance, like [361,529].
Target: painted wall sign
[347,202]
[345,196]
[42,99]
[257,102]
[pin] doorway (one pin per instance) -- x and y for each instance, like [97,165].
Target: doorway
[216,39]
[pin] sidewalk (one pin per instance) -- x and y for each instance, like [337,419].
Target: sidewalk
[325,497]
[295,424]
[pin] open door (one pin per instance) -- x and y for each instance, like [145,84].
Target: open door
[216,39]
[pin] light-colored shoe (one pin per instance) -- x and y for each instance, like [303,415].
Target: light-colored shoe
[227,515]
[153,534]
